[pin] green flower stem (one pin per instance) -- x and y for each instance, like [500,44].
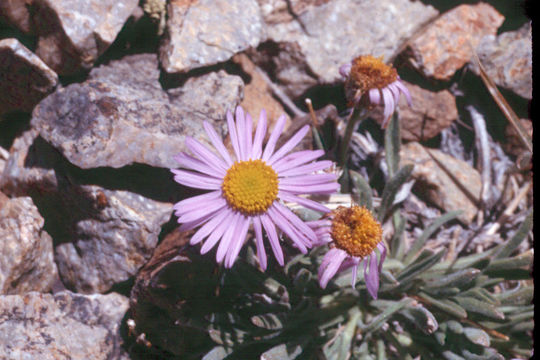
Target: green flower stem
[359,113]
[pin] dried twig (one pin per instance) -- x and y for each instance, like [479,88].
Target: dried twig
[503,105]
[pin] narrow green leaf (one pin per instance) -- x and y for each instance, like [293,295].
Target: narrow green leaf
[517,239]
[217,353]
[440,337]
[457,279]
[521,296]
[514,320]
[480,307]
[449,355]
[348,334]
[282,352]
[391,188]
[397,245]
[481,294]
[423,262]
[520,261]
[455,326]
[420,241]
[477,336]
[380,319]
[317,138]
[392,144]
[363,189]
[421,317]
[445,305]
[381,352]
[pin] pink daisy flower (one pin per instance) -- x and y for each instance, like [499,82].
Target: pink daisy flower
[248,188]
[368,75]
[354,236]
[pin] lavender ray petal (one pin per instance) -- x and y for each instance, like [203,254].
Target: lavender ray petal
[270,229]
[297,238]
[207,228]
[271,144]
[204,153]
[218,143]
[261,251]
[307,169]
[220,232]
[236,245]
[295,159]
[332,268]
[225,242]
[259,136]
[375,96]
[328,188]
[189,162]
[232,133]
[194,215]
[289,145]
[372,277]
[310,204]
[311,179]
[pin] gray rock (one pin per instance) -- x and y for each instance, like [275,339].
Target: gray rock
[24,77]
[447,43]
[436,174]
[61,326]
[121,115]
[28,169]
[26,251]
[311,48]
[101,236]
[17,14]
[205,32]
[72,33]
[113,235]
[507,59]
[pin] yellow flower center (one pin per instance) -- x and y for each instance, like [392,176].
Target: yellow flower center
[250,186]
[369,72]
[355,231]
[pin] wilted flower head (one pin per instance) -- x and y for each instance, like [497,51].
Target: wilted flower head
[369,78]
[249,187]
[353,235]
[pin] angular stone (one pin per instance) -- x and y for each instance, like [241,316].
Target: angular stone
[72,33]
[310,49]
[257,94]
[507,59]
[114,234]
[62,326]
[205,32]
[434,180]
[448,43]
[24,77]
[26,251]
[103,233]
[121,115]
[28,168]
[17,13]
[430,113]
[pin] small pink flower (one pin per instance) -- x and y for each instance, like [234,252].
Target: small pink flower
[369,78]
[353,235]
[248,188]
